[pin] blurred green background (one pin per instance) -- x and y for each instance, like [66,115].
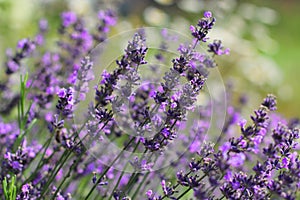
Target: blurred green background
[263,35]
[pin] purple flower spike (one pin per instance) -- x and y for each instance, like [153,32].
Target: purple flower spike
[22,43]
[62,93]
[204,25]
[43,25]
[108,17]
[68,18]
[217,48]
[66,101]
[270,102]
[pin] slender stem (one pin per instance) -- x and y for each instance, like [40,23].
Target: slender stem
[140,185]
[108,168]
[222,197]
[45,147]
[66,154]
[200,179]
[65,178]
[123,172]
[184,193]
[64,158]
[117,184]
[133,176]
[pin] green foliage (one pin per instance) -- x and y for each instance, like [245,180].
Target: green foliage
[9,189]
[22,115]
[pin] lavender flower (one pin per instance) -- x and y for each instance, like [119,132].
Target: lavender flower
[135,54]
[254,159]
[25,47]
[83,76]
[66,101]
[217,48]
[68,18]
[204,25]
[107,19]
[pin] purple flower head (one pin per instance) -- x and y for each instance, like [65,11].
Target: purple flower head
[261,118]
[207,14]
[127,70]
[217,48]
[194,165]
[43,25]
[180,64]
[66,101]
[17,166]
[108,17]
[81,76]
[285,162]
[228,176]
[28,192]
[12,66]
[39,39]
[149,193]
[22,43]
[203,26]
[105,77]
[225,148]
[26,46]
[62,93]
[242,123]
[68,18]
[167,189]
[26,188]
[237,159]
[270,102]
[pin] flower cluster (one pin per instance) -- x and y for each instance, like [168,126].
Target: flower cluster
[127,66]
[204,25]
[47,154]
[66,101]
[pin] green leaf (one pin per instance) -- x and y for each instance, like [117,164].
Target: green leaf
[4,183]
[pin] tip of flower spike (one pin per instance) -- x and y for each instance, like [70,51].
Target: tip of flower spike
[68,18]
[22,43]
[149,193]
[270,102]
[207,14]
[43,25]
[62,93]
[217,48]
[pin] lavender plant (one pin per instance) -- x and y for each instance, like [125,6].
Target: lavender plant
[47,154]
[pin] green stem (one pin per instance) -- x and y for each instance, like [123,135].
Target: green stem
[108,168]
[64,158]
[140,185]
[66,177]
[39,165]
[123,171]
[117,184]
[184,193]
[200,179]
[133,176]
[66,154]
